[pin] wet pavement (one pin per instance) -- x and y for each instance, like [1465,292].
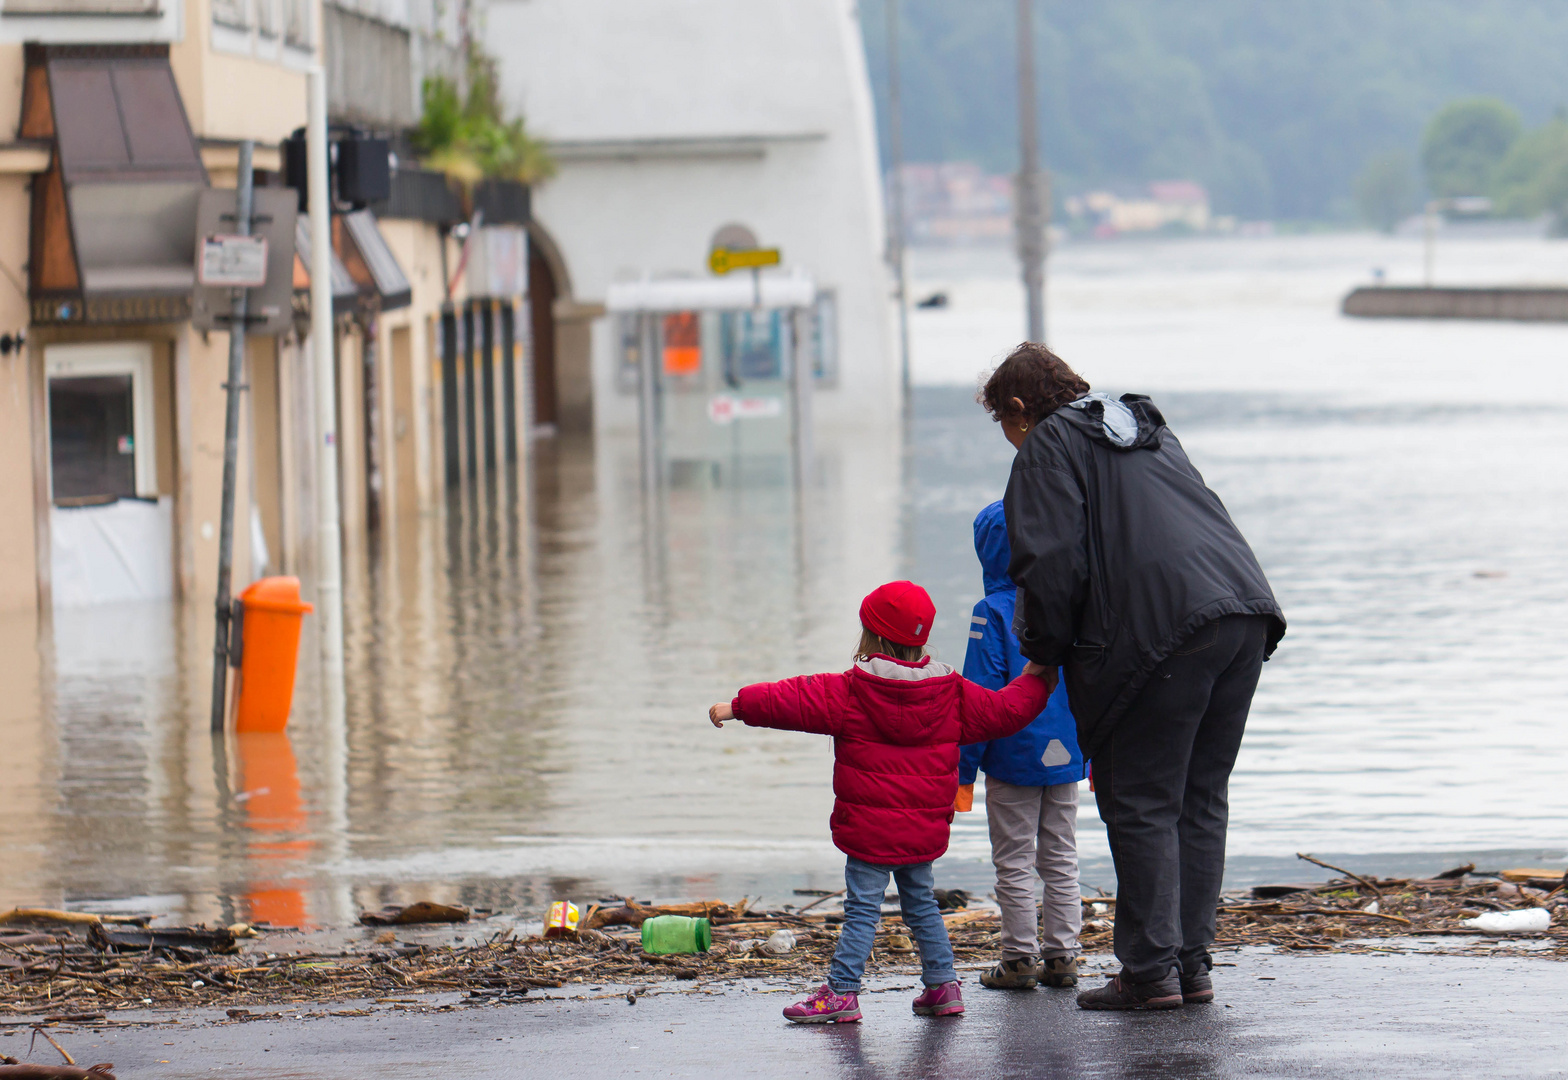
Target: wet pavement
[1384,1016]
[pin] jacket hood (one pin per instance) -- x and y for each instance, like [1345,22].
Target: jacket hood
[992,547]
[1132,423]
[904,700]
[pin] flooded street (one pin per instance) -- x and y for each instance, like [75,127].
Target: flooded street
[526,707]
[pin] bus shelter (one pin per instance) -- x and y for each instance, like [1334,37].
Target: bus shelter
[722,376]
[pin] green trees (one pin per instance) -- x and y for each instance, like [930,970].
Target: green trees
[1533,178]
[1385,189]
[1465,143]
[1276,107]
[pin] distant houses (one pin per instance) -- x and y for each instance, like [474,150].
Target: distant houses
[957,202]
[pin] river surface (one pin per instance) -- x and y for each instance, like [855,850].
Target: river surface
[525,713]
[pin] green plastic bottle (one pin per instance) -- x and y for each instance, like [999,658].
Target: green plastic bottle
[676,934]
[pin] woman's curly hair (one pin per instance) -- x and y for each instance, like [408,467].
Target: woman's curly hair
[1034,375]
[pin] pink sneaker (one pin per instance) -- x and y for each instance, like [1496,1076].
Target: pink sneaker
[827,1007]
[944,1000]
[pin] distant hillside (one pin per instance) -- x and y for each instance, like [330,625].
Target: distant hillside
[1275,105]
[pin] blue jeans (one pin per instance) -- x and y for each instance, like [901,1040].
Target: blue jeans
[864,884]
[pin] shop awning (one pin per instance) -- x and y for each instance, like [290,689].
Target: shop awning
[370,263]
[344,292]
[114,220]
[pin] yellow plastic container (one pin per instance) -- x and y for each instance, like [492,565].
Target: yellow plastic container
[264,691]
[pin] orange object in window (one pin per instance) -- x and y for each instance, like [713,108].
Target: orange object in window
[269,636]
[682,344]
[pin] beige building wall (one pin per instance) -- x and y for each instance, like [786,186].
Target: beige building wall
[18,576]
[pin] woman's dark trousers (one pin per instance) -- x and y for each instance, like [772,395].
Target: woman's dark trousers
[1161,781]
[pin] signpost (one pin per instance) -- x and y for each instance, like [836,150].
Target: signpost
[228,266]
[235,262]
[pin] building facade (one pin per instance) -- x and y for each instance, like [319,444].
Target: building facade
[671,119]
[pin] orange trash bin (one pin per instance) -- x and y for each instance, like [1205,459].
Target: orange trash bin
[269,639]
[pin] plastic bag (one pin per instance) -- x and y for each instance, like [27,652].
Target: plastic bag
[1528,921]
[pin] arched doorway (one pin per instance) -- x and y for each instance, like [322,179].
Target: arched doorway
[563,379]
[542,293]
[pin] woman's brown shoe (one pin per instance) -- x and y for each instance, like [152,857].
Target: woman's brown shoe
[1020,973]
[1121,993]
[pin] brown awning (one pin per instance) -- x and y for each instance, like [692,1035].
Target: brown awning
[344,292]
[357,239]
[114,220]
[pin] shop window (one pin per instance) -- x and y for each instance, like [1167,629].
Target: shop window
[101,427]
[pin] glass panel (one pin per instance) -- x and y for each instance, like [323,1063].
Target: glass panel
[753,345]
[682,344]
[92,443]
[824,337]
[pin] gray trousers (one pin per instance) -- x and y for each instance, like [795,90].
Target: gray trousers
[1034,830]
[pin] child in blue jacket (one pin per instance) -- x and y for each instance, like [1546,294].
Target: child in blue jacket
[1031,791]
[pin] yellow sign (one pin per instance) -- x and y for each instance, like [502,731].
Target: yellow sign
[723,260]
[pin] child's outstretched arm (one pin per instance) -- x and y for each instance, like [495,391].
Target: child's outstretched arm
[811,703]
[994,714]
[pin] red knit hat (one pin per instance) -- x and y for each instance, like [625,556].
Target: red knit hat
[899,611]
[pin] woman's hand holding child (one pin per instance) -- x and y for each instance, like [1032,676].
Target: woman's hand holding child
[720,713]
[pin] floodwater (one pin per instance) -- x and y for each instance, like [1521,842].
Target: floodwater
[526,705]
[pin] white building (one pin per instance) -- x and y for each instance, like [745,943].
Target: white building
[672,118]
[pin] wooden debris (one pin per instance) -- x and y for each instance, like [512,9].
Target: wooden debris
[65,976]
[422,911]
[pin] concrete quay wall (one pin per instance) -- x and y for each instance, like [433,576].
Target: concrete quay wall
[1420,302]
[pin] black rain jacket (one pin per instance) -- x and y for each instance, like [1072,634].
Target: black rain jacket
[1120,553]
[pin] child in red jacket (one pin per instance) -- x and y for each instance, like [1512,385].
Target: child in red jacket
[897,719]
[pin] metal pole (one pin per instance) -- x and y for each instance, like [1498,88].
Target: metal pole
[486,317]
[648,403]
[243,198]
[798,324]
[895,141]
[329,545]
[1431,240]
[1030,221]
[509,435]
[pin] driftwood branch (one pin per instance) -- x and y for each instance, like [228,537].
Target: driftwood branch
[1341,870]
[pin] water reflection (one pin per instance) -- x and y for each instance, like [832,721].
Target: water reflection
[278,856]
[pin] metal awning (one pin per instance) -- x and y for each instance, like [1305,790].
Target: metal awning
[357,239]
[344,292]
[114,220]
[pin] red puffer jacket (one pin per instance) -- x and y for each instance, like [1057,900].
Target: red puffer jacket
[896,730]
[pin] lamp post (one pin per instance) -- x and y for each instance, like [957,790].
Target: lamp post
[1030,215]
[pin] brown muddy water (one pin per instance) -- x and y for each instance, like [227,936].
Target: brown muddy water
[526,704]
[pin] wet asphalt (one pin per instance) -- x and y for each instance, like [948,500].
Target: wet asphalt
[1384,1016]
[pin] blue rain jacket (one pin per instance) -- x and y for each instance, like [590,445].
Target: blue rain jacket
[1046,752]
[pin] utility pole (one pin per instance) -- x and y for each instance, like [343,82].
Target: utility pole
[895,236]
[1030,219]
[238,312]
[329,549]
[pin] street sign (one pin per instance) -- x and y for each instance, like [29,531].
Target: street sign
[234,262]
[271,309]
[725,408]
[722,260]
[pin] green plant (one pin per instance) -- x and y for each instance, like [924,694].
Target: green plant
[469,137]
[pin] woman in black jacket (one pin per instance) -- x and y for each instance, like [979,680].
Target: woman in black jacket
[1134,579]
